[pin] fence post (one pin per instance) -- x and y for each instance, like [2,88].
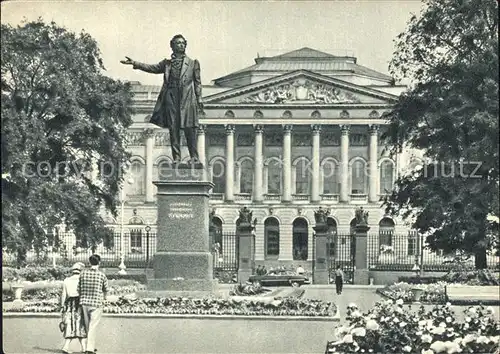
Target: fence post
[244,245]
[148,229]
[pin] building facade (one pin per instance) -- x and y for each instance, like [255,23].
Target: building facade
[285,136]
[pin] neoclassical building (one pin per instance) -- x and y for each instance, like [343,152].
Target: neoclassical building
[284,136]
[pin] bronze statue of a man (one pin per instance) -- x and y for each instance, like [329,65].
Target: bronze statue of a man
[180,102]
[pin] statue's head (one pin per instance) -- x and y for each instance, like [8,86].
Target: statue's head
[178,44]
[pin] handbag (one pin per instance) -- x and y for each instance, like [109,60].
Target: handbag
[62,326]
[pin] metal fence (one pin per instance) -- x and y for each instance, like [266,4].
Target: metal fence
[226,256]
[138,246]
[341,249]
[387,250]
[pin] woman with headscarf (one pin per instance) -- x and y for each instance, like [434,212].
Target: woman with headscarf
[72,324]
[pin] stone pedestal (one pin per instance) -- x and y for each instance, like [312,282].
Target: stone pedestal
[320,271]
[246,252]
[183,262]
[361,276]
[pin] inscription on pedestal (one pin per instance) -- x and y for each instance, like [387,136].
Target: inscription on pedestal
[181,210]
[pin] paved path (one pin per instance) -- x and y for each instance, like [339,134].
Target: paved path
[136,335]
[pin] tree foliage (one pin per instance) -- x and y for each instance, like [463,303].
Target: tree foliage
[59,114]
[450,54]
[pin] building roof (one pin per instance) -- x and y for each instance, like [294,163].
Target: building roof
[307,59]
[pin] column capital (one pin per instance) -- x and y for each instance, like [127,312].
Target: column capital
[230,128]
[316,128]
[258,128]
[202,129]
[287,128]
[373,129]
[344,129]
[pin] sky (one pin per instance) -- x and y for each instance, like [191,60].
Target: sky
[225,36]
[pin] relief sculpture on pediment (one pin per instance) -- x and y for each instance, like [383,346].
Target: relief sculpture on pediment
[302,91]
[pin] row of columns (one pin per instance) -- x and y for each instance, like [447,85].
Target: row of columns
[286,163]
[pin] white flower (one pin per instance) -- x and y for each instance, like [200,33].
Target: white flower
[347,339]
[452,347]
[448,304]
[449,319]
[495,339]
[468,319]
[457,340]
[395,320]
[418,333]
[372,325]
[426,338]
[402,324]
[399,302]
[358,331]
[430,323]
[341,330]
[407,348]
[427,351]
[473,310]
[352,305]
[482,339]
[422,323]
[390,302]
[468,338]
[438,330]
[442,324]
[356,314]
[490,310]
[466,326]
[438,346]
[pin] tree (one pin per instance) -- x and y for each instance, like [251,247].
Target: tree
[59,114]
[450,111]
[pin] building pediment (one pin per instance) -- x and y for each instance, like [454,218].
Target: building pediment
[301,88]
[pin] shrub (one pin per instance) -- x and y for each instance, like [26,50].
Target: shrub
[141,277]
[389,328]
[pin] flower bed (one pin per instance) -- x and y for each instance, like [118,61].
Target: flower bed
[389,328]
[211,306]
[431,293]
[248,290]
[49,290]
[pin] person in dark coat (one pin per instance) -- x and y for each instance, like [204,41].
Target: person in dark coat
[180,101]
[339,280]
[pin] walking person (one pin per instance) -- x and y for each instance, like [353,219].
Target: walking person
[92,287]
[339,280]
[72,323]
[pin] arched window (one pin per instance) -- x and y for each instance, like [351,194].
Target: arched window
[330,180]
[136,177]
[272,238]
[246,176]
[332,236]
[385,231]
[217,223]
[161,170]
[386,177]
[219,176]
[274,176]
[358,177]
[301,177]
[300,239]
[352,227]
